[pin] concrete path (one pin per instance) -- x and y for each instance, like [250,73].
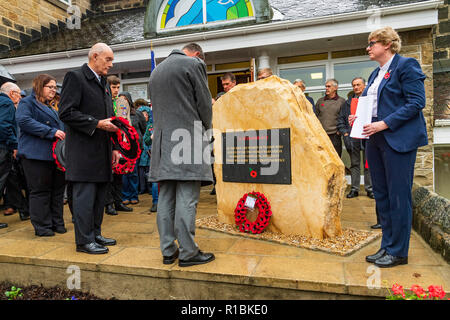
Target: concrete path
[241,264]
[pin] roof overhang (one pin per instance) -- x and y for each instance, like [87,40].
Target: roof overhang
[402,18]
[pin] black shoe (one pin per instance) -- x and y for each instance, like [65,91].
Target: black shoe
[154,208]
[3,225]
[59,229]
[24,216]
[213,191]
[370,194]
[122,207]
[109,209]
[45,233]
[372,258]
[200,258]
[388,261]
[105,241]
[172,258]
[376,226]
[352,194]
[92,248]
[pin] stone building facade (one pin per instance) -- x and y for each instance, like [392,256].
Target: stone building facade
[442,63]
[418,44]
[25,21]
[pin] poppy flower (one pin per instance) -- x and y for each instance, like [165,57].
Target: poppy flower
[253,174]
[387,75]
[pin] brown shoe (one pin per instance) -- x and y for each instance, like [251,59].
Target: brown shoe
[9,211]
[126,202]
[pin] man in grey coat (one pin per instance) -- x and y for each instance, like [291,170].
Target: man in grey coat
[182,113]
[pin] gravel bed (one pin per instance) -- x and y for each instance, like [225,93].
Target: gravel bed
[346,244]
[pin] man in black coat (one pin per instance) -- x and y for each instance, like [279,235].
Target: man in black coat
[86,109]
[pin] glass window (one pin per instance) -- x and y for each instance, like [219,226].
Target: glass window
[136,90]
[312,76]
[181,13]
[346,72]
[442,170]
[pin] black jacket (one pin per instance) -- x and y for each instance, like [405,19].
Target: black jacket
[85,101]
[344,127]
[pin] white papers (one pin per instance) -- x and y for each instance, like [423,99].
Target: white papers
[363,117]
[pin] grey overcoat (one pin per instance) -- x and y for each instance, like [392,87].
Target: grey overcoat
[182,112]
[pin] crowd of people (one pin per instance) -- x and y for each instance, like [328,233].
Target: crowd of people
[82,115]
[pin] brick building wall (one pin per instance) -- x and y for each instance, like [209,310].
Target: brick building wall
[442,63]
[418,44]
[24,21]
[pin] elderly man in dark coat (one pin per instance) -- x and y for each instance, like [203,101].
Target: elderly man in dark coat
[182,113]
[86,109]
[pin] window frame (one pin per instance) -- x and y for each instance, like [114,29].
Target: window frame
[205,19]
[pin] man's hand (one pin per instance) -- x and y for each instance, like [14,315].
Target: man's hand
[374,127]
[351,119]
[61,135]
[107,125]
[115,158]
[15,154]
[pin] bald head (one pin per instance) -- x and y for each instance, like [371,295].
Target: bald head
[101,57]
[12,90]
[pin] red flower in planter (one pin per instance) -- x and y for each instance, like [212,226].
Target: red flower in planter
[398,289]
[418,290]
[436,292]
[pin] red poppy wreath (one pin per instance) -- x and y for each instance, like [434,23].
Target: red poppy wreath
[126,141]
[261,222]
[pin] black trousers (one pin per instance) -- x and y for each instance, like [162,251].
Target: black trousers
[114,190]
[46,187]
[88,206]
[336,140]
[6,157]
[14,198]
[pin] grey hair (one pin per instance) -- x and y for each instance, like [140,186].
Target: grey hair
[359,78]
[98,48]
[7,87]
[298,81]
[334,81]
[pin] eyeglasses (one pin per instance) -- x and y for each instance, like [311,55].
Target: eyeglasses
[372,43]
[51,87]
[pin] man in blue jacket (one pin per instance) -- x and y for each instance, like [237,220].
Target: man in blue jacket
[9,98]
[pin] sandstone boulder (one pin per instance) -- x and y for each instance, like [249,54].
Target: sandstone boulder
[311,205]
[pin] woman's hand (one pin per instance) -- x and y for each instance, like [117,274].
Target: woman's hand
[374,127]
[351,119]
[60,135]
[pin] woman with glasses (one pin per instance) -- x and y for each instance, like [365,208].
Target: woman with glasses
[396,93]
[40,126]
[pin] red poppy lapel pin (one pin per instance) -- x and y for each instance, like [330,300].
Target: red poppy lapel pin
[387,75]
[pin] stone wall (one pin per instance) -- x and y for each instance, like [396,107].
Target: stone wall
[418,44]
[24,21]
[442,61]
[116,5]
[431,219]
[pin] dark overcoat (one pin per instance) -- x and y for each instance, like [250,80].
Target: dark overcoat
[85,101]
[182,112]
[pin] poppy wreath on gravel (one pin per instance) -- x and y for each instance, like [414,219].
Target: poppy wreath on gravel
[126,141]
[261,222]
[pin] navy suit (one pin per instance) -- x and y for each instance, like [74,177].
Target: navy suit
[391,153]
[38,124]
